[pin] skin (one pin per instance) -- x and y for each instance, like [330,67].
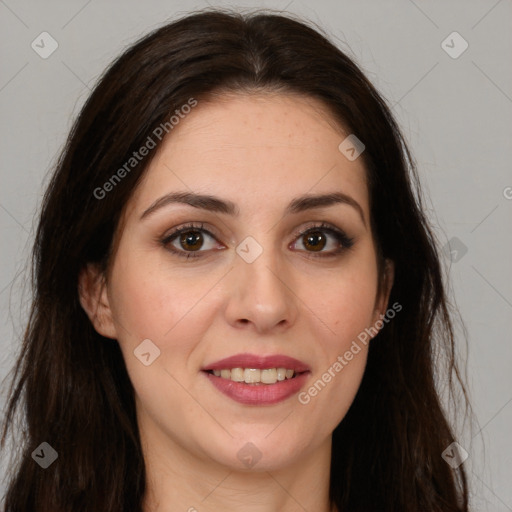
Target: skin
[259,151]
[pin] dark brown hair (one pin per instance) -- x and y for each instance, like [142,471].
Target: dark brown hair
[70,385]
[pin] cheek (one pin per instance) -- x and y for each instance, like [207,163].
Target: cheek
[337,378]
[347,303]
[149,301]
[149,304]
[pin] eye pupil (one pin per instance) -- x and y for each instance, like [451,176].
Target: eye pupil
[192,239]
[316,240]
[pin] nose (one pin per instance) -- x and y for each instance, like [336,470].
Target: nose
[261,294]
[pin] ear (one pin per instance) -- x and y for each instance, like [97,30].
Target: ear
[382,299]
[92,291]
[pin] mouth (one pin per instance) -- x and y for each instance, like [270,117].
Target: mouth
[256,376]
[258,380]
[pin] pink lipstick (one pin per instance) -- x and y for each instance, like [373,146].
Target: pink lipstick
[258,380]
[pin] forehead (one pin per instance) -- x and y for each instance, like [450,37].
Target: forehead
[257,150]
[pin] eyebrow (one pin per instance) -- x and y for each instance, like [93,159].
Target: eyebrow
[218,205]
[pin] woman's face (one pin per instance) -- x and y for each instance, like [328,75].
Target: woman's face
[254,286]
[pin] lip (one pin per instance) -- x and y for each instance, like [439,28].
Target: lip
[258,362]
[262,394]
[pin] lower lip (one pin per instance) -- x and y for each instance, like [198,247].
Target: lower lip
[262,394]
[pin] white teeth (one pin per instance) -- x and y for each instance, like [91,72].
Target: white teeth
[269,376]
[225,374]
[237,374]
[254,375]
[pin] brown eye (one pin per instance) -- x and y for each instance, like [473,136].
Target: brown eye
[314,240]
[319,241]
[191,240]
[323,241]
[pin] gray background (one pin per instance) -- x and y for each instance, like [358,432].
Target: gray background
[455,113]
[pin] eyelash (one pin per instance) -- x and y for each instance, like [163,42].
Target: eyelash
[345,241]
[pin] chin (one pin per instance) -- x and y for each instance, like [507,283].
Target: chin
[260,453]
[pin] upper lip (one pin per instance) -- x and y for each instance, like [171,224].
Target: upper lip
[258,362]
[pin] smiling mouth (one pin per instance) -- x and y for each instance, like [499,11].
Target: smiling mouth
[254,376]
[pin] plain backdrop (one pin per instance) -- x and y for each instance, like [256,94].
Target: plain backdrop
[454,107]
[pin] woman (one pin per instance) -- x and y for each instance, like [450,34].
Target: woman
[238,298]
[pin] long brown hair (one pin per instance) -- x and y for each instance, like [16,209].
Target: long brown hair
[70,385]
